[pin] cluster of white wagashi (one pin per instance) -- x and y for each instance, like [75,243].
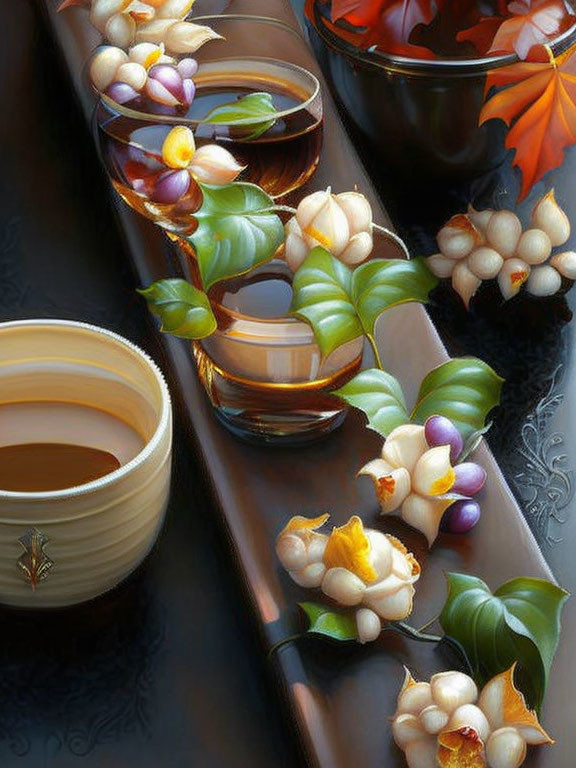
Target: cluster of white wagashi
[482,245]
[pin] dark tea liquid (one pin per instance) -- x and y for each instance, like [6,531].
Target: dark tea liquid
[31,467]
[50,446]
[280,160]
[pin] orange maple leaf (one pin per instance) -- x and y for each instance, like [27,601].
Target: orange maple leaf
[360,13]
[533,22]
[538,104]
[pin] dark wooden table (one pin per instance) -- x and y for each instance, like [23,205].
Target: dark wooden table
[167,670]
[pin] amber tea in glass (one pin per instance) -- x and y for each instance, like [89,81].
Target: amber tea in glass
[280,159]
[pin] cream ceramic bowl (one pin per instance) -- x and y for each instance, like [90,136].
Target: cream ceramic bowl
[82,541]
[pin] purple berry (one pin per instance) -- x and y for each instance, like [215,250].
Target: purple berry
[170,78]
[470,479]
[187,68]
[121,92]
[461,517]
[440,431]
[170,187]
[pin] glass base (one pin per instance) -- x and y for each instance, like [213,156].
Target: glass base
[294,430]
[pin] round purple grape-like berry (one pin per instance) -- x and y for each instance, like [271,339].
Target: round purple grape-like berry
[461,517]
[170,78]
[170,187]
[440,431]
[121,92]
[187,67]
[470,479]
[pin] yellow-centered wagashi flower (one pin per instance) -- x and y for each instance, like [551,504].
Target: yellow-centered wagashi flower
[354,566]
[342,224]
[414,478]
[444,723]
[210,164]
[112,64]
[125,22]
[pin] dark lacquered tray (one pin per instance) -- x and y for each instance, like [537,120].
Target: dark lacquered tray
[340,697]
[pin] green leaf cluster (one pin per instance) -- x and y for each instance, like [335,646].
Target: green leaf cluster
[464,390]
[342,304]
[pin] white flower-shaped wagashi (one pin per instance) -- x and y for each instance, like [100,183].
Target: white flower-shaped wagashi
[354,567]
[342,224]
[444,723]
[414,478]
[439,724]
[125,22]
[513,725]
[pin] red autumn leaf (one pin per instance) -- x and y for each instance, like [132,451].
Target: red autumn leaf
[533,22]
[538,104]
[359,13]
[392,20]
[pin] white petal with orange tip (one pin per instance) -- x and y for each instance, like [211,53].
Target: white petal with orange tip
[548,216]
[146,54]
[329,228]
[391,485]
[433,474]
[174,9]
[512,277]
[458,237]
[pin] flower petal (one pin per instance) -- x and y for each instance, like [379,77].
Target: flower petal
[421,753]
[504,705]
[404,446]
[357,210]
[349,547]
[413,696]
[343,586]
[299,523]
[452,689]
[329,228]
[460,748]
[178,147]
[368,625]
[391,485]
[391,598]
[505,749]
[381,553]
[433,474]
[404,564]
[213,164]
[358,249]
[311,576]
[425,514]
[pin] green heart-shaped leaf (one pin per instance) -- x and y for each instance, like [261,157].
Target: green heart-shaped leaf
[464,390]
[183,310]
[338,626]
[253,115]
[342,304]
[236,231]
[519,622]
[380,284]
[380,397]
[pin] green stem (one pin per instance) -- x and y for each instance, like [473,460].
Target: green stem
[372,341]
[411,632]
